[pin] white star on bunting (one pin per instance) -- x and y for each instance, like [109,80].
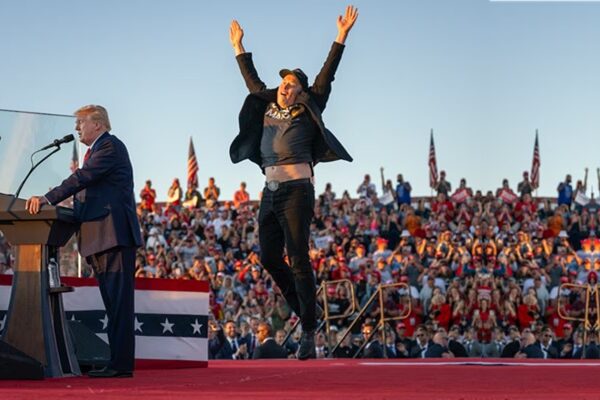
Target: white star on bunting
[167,326]
[138,325]
[196,327]
[104,322]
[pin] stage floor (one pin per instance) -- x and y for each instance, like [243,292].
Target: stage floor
[334,379]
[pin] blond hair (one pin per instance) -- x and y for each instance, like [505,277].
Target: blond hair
[96,113]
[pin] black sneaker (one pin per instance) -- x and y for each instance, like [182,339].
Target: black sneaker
[307,346]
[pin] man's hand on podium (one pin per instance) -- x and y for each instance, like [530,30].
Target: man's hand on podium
[35,203]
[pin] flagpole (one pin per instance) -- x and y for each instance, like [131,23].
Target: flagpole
[535,164]
[430,139]
[538,185]
[432,160]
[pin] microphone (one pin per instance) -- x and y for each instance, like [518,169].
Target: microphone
[58,142]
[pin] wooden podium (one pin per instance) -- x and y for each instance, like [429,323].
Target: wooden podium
[35,322]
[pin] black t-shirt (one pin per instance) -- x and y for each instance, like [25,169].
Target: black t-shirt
[288,136]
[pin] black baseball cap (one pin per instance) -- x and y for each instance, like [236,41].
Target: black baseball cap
[299,74]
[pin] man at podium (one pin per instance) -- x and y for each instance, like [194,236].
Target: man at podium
[109,232]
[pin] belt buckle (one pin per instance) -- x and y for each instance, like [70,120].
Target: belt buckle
[273,185]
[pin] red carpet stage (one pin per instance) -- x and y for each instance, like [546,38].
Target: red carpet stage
[334,379]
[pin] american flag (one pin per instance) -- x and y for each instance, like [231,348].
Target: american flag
[535,165]
[433,172]
[74,158]
[192,175]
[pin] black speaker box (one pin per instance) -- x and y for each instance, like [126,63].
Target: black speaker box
[90,350]
[15,364]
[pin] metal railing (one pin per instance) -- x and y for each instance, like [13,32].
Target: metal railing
[383,319]
[591,293]
[327,318]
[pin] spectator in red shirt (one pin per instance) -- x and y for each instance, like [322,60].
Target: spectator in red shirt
[529,311]
[525,206]
[148,196]
[443,206]
[484,320]
[241,197]
[440,311]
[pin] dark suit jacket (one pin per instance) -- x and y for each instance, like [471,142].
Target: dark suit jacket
[345,352]
[247,144]
[435,351]
[457,349]
[511,349]
[562,342]
[415,350]
[248,340]
[578,354]
[373,350]
[533,351]
[226,351]
[552,350]
[107,213]
[215,344]
[392,351]
[269,349]
[592,351]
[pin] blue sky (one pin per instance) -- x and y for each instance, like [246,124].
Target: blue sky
[484,75]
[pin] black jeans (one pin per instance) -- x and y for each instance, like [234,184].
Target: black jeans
[284,221]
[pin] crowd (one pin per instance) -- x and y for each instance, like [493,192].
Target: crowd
[481,272]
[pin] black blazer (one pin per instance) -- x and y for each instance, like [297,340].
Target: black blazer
[552,350]
[373,350]
[107,212]
[511,349]
[435,351]
[215,344]
[533,351]
[345,351]
[247,143]
[457,349]
[592,351]
[415,350]
[269,349]
[578,354]
[226,351]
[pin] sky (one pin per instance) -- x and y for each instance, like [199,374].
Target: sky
[484,75]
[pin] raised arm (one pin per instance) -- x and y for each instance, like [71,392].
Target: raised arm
[321,88]
[253,82]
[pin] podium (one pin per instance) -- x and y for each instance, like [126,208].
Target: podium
[36,340]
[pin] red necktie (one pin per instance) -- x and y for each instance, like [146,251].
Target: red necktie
[87,154]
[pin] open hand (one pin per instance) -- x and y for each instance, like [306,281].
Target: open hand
[345,23]
[236,33]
